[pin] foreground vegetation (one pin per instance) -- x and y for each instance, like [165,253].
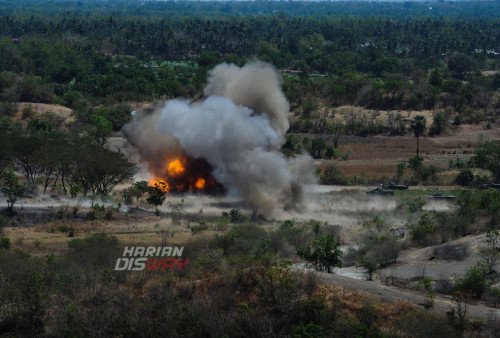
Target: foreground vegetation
[237,283]
[246,275]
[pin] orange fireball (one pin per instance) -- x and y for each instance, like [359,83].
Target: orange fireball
[175,168]
[200,183]
[159,183]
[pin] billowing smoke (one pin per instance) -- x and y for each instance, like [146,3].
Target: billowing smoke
[238,130]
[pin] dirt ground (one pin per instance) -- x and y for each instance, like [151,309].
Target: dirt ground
[378,156]
[442,303]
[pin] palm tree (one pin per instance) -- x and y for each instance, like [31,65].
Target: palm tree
[418,126]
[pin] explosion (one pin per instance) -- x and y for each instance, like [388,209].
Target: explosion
[228,142]
[159,183]
[185,174]
[175,168]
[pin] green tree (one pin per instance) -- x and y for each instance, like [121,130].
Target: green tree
[28,154]
[460,63]
[99,128]
[475,281]
[487,156]
[437,126]
[393,86]
[370,263]
[490,253]
[292,144]
[318,145]
[135,190]
[418,125]
[156,197]
[400,171]
[209,59]
[465,177]
[324,254]
[377,248]
[426,283]
[11,188]
[309,107]
[436,78]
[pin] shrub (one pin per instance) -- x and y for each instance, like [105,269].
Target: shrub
[198,228]
[475,281]
[424,324]
[242,239]
[465,177]
[333,175]
[445,286]
[286,240]
[324,254]
[415,204]
[236,216]
[75,190]
[423,232]
[5,243]
[3,223]
[456,252]
[97,250]
[426,283]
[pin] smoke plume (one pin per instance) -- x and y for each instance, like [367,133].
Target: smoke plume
[238,129]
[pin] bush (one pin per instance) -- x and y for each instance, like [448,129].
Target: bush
[324,254]
[445,286]
[100,212]
[236,216]
[424,232]
[457,252]
[286,240]
[333,175]
[424,324]
[415,204]
[465,177]
[242,239]
[198,228]
[475,281]
[3,223]
[5,243]
[97,250]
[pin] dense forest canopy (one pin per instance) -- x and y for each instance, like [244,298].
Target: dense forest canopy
[402,9]
[378,55]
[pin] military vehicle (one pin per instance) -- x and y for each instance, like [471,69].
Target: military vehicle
[380,191]
[490,185]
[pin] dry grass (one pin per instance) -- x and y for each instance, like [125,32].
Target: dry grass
[53,237]
[40,108]
[351,303]
[378,156]
[389,312]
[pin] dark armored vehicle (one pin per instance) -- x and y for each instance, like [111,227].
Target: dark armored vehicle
[490,185]
[380,191]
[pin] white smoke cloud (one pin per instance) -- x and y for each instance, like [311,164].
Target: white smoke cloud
[238,129]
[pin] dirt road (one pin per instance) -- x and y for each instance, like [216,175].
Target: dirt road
[442,304]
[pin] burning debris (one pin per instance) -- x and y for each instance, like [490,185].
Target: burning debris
[228,142]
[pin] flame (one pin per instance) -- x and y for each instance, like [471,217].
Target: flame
[159,183]
[200,183]
[175,168]
[183,174]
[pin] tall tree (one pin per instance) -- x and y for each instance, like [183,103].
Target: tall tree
[418,125]
[11,188]
[487,156]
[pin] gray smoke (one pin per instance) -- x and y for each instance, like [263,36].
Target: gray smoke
[238,129]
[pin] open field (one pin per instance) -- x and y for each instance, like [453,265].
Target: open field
[378,156]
